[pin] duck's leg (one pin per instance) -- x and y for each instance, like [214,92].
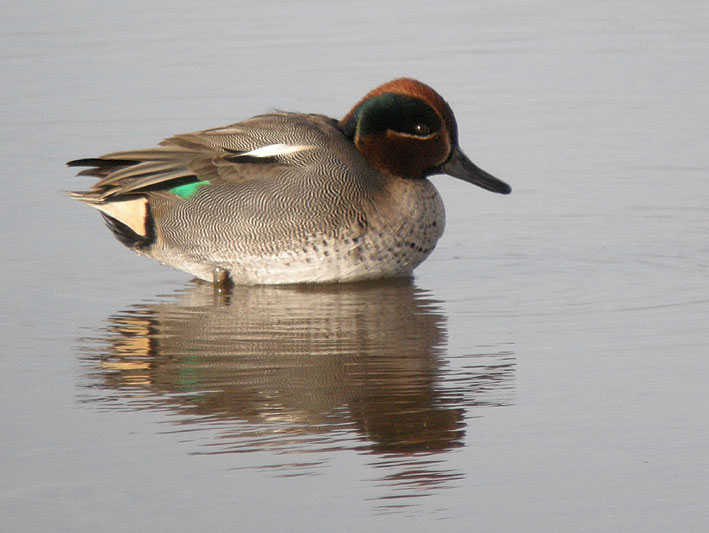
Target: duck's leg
[221,278]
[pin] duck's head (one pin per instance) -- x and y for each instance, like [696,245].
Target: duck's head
[406,129]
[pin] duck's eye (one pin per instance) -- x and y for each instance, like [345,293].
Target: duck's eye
[422,129]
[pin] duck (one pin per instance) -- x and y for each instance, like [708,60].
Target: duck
[287,197]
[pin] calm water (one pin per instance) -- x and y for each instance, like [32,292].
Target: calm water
[546,369]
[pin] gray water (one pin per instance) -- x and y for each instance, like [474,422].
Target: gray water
[546,369]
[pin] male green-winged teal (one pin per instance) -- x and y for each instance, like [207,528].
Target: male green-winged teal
[292,197]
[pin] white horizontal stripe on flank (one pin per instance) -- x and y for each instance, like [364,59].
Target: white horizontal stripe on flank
[272,150]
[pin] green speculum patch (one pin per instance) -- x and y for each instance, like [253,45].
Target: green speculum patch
[188,190]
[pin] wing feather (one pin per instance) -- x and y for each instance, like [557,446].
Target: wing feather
[230,154]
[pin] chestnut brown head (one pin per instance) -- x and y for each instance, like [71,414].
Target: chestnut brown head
[406,129]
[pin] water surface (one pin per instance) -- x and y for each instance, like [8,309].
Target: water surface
[546,368]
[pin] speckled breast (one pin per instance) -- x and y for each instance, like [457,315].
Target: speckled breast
[393,232]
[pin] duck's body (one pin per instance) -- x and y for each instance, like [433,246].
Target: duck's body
[291,197]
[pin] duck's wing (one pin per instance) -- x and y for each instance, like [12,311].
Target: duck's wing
[249,150]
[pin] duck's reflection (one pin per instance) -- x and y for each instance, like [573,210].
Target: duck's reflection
[300,369]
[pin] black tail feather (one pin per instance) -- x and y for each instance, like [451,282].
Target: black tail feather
[100,163]
[127,236]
